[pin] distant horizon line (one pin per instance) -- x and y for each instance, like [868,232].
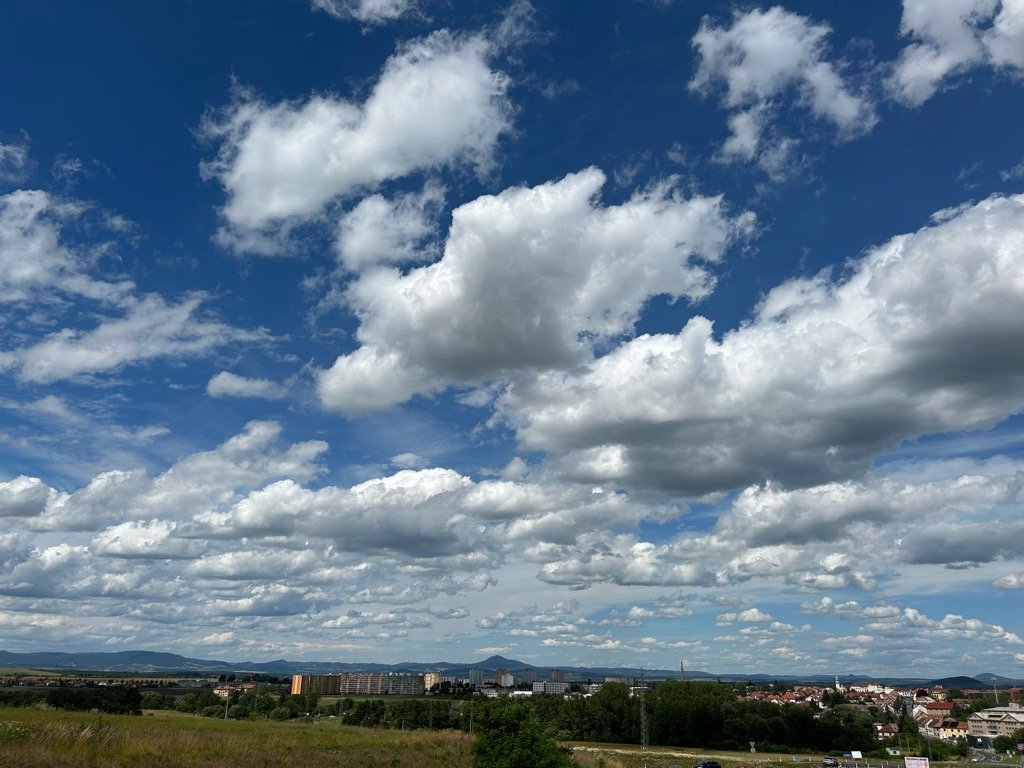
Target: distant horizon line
[669,673]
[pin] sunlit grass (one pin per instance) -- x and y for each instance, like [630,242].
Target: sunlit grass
[39,738]
[36,738]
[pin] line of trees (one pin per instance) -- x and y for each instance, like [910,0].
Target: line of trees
[114,699]
[705,714]
[264,702]
[692,713]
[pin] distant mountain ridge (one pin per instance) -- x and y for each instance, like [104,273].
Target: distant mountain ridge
[964,682]
[153,662]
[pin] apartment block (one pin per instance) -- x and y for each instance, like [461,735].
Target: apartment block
[359,683]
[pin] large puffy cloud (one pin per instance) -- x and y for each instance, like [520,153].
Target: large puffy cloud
[923,334]
[950,37]
[761,58]
[437,104]
[530,278]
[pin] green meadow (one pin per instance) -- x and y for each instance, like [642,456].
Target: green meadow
[39,738]
[33,737]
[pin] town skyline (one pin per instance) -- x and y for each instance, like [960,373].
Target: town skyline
[615,333]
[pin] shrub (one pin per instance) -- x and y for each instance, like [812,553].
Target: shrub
[509,735]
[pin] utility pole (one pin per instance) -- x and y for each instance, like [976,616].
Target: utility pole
[645,738]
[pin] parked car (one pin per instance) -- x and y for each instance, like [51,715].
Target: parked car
[707,764]
[830,762]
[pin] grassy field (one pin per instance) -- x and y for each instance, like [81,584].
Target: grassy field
[36,738]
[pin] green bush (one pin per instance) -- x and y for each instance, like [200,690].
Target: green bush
[115,700]
[19,698]
[509,735]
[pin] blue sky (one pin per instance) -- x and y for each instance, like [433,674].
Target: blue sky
[585,333]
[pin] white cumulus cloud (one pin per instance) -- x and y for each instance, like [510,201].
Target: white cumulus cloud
[529,279]
[765,58]
[382,231]
[923,334]
[950,37]
[437,104]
